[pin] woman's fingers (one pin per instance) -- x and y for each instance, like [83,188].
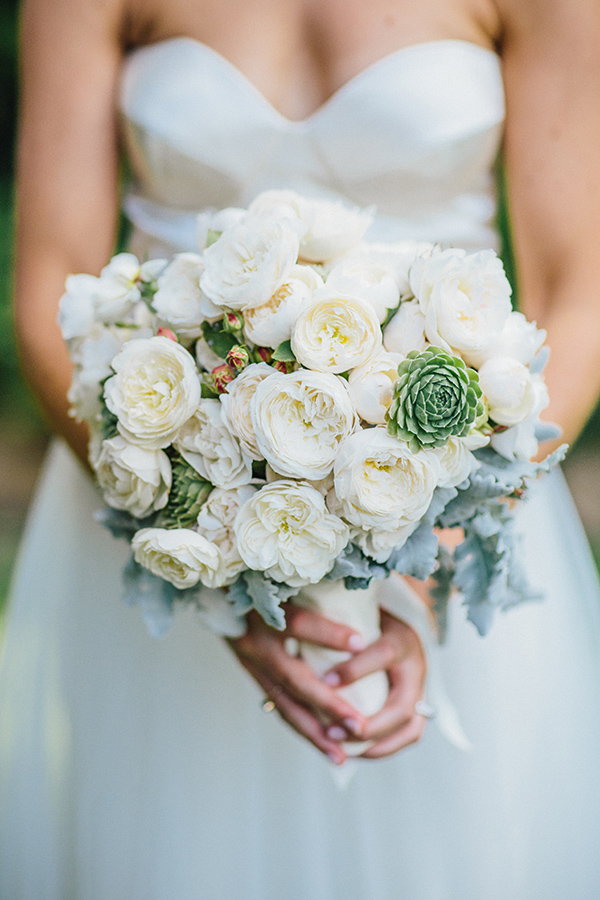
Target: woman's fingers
[397,642]
[300,682]
[300,718]
[404,737]
[307,625]
[406,688]
[262,648]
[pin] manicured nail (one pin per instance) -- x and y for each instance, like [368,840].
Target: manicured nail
[332,679]
[335,759]
[353,727]
[336,733]
[356,642]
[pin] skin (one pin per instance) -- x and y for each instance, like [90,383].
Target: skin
[298,53]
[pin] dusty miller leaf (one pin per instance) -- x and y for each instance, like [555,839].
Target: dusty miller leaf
[267,597]
[155,596]
[440,500]
[443,578]
[417,556]
[488,569]
[120,523]
[239,596]
[355,568]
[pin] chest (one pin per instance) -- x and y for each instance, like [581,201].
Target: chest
[298,53]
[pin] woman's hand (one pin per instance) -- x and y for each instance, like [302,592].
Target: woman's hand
[301,698]
[306,701]
[399,653]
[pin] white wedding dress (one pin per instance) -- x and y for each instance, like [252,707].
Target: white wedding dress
[137,769]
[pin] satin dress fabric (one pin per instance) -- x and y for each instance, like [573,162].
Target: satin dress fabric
[137,769]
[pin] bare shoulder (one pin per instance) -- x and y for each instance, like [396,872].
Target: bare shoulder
[555,24]
[62,20]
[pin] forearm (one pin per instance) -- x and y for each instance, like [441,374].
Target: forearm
[573,371]
[43,352]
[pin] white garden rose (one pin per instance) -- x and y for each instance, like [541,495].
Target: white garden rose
[207,444]
[334,229]
[406,329]
[179,302]
[368,277]
[456,458]
[285,531]
[249,263]
[519,338]
[370,386]
[465,299]
[133,478]
[519,441]
[327,229]
[92,357]
[380,483]
[236,405]
[179,555]
[155,390]
[216,520]
[211,222]
[283,205]
[336,333]
[323,485]
[398,258]
[508,388]
[206,358]
[300,420]
[118,287]
[272,323]
[76,307]
[378,543]
[116,292]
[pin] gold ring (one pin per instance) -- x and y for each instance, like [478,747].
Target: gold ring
[268,704]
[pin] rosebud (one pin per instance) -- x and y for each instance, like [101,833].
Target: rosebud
[221,377]
[263,354]
[285,367]
[233,322]
[238,357]
[166,332]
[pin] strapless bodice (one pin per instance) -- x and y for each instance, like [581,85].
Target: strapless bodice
[415,134]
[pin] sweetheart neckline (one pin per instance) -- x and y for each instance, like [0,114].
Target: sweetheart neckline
[361,75]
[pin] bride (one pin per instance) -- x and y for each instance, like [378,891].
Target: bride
[131,768]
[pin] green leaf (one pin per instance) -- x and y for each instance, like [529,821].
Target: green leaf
[208,392]
[284,352]
[219,341]
[109,421]
[212,237]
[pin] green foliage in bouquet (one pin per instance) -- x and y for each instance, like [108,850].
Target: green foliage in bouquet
[188,493]
[435,398]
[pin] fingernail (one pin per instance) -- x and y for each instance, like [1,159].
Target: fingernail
[332,679]
[353,727]
[334,758]
[336,733]
[356,642]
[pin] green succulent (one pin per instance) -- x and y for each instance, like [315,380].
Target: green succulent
[187,495]
[435,398]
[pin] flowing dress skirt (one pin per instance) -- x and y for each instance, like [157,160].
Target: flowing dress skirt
[136,769]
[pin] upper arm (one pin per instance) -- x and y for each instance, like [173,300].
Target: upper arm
[551,57]
[67,156]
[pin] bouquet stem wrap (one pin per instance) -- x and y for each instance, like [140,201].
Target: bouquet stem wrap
[359,610]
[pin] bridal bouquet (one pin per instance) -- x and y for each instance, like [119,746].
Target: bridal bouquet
[292,406]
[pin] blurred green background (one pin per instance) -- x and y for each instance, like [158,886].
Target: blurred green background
[23,434]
